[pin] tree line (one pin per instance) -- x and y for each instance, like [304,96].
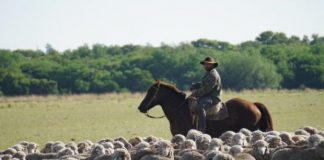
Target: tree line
[272,60]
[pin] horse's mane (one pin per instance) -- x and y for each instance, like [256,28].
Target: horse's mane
[173,88]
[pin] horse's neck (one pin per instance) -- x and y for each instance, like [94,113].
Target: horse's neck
[175,107]
[176,110]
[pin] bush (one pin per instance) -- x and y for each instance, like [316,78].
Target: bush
[242,71]
[273,60]
[42,86]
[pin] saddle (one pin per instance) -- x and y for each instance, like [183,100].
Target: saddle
[218,111]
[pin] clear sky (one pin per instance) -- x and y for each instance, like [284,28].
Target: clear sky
[67,24]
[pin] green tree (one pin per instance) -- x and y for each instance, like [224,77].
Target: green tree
[248,72]
[102,81]
[42,87]
[265,37]
[137,79]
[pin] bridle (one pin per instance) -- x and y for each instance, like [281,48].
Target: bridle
[151,101]
[153,98]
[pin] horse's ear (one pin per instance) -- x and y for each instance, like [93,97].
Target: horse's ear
[157,81]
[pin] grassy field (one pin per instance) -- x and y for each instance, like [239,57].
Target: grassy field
[93,117]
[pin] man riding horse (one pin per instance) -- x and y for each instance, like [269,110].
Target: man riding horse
[239,113]
[207,92]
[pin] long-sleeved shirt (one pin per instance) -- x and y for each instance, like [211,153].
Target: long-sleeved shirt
[210,85]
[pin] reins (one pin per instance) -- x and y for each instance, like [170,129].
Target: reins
[151,101]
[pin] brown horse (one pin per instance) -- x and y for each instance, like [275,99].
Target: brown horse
[242,113]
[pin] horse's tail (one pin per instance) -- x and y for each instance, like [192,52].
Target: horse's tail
[266,120]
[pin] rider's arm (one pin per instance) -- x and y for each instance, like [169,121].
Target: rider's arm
[207,86]
[195,86]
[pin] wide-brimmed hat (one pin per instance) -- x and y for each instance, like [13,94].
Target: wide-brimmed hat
[209,60]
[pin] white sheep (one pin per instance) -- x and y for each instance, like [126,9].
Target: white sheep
[286,137]
[314,140]
[109,147]
[151,139]
[227,137]
[142,145]
[165,148]
[136,140]
[154,157]
[305,143]
[84,147]
[57,146]
[47,147]
[225,148]
[20,155]
[302,132]
[105,140]
[65,152]
[256,135]
[177,140]
[73,146]
[202,141]
[193,133]
[223,156]
[247,133]
[41,156]
[239,139]
[210,154]
[127,145]
[161,150]
[6,157]
[118,144]
[215,144]
[237,152]
[32,147]
[9,151]
[321,133]
[315,153]
[272,133]
[311,130]
[119,154]
[300,140]
[20,147]
[260,150]
[97,150]
[192,155]
[188,144]
[275,141]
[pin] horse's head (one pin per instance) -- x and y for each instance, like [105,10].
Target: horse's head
[151,99]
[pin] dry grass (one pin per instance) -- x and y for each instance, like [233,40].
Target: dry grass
[89,116]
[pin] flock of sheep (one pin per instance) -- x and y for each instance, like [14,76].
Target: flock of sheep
[306,143]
